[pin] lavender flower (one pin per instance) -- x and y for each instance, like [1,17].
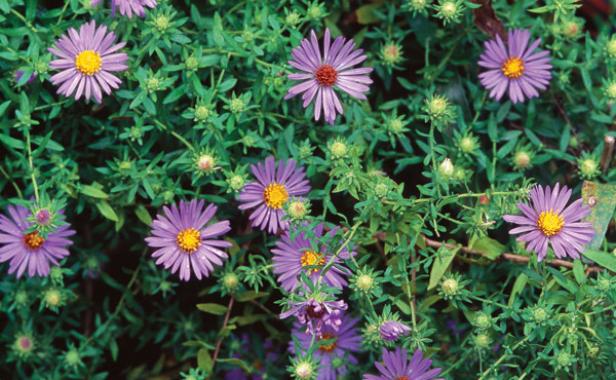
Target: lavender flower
[128,7]
[86,60]
[335,348]
[515,67]
[548,221]
[321,74]
[183,240]
[293,255]
[392,330]
[25,247]
[396,366]
[269,193]
[316,314]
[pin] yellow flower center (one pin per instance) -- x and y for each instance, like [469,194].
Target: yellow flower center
[88,62]
[189,240]
[550,223]
[275,195]
[513,67]
[33,240]
[312,259]
[328,347]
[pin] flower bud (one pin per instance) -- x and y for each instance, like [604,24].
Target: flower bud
[298,209]
[304,370]
[483,321]
[162,22]
[230,281]
[446,168]
[588,166]
[610,47]
[610,90]
[391,54]
[292,18]
[417,6]
[72,358]
[23,345]
[392,330]
[237,105]
[564,359]
[338,149]
[206,163]
[468,144]
[522,159]
[482,341]
[450,287]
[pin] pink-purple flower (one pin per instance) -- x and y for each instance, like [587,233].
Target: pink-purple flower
[391,330]
[396,366]
[26,248]
[86,60]
[184,241]
[316,314]
[297,252]
[267,196]
[322,72]
[547,221]
[515,66]
[332,344]
[128,8]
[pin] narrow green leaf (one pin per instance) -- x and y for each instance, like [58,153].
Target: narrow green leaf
[578,272]
[250,295]
[204,360]
[443,259]
[93,192]
[517,287]
[604,259]
[143,215]
[212,308]
[105,209]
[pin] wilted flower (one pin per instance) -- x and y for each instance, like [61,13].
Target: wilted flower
[86,60]
[183,240]
[396,366]
[315,314]
[391,330]
[515,67]
[270,192]
[27,248]
[548,221]
[297,252]
[322,73]
[335,348]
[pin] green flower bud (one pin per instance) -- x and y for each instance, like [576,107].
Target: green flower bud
[230,281]
[304,370]
[450,287]
[446,168]
[338,149]
[206,163]
[191,63]
[202,113]
[297,209]
[482,341]
[23,345]
[391,53]
[483,321]
[236,182]
[540,315]
[588,166]
[162,22]
[292,18]
[364,282]
[610,47]
[72,358]
[522,160]
[564,359]
[237,105]
[468,144]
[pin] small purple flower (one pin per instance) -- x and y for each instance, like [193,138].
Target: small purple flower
[86,60]
[315,315]
[184,240]
[128,7]
[268,194]
[293,255]
[27,248]
[392,330]
[396,366]
[20,73]
[333,345]
[548,221]
[516,67]
[324,73]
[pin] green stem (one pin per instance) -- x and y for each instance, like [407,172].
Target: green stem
[30,163]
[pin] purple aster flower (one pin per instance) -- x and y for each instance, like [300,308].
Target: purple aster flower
[321,74]
[335,347]
[183,239]
[392,330]
[315,315]
[396,366]
[516,67]
[86,60]
[548,221]
[27,248]
[269,193]
[293,255]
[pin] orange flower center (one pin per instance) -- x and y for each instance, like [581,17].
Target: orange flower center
[327,347]
[513,68]
[312,259]
[550,223]
[326,75]
[403,377]
[189,240]
[275,195]
[33,240]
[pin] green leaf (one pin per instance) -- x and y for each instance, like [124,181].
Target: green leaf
[444,258]
[143,215]
[93,192]
[578,272]
[604,259]
[366,14]
[487,246]
[204,360]
[113,348]
[212,308]
[602,200]
[517,287]
[105,209]
[250,295]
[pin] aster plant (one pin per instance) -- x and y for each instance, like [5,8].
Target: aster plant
[548,221]
[86,60]
[185,242]
[397,366]
[515,67]
[327,70]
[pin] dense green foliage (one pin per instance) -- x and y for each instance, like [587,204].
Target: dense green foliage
[428,159]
